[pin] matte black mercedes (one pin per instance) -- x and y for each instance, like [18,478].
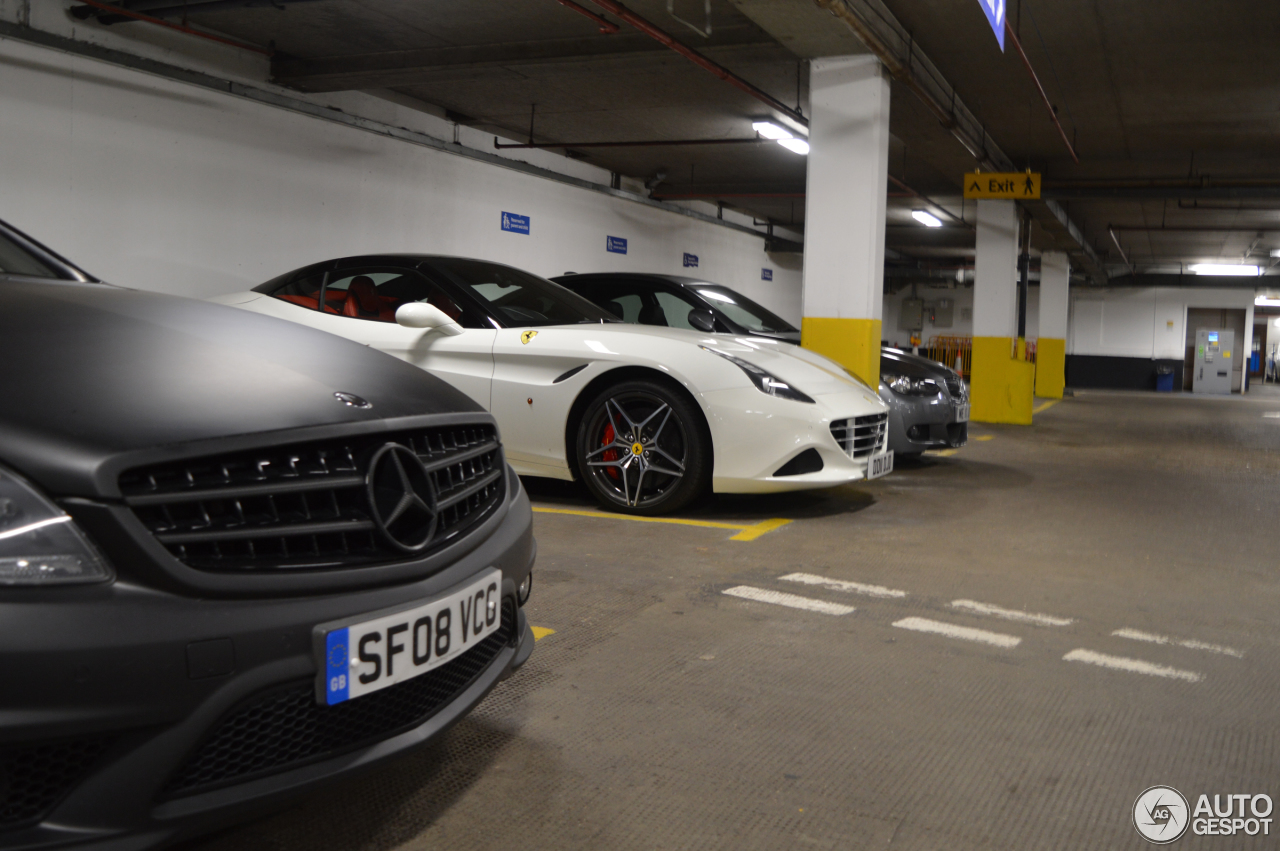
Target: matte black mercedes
[237,557]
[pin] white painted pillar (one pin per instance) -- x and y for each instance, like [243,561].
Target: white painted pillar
[1001,387]
[1051,346]
[845,212]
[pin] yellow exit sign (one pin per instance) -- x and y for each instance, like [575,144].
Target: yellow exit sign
[995,184]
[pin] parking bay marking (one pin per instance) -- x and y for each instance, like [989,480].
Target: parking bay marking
[1190,644]
[541,632]
[746,531]
[794,601]
[1045,405]
[842,585]
[977,608]
[964,633]
[1134,666]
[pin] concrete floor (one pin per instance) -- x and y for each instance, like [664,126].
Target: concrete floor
[665,714]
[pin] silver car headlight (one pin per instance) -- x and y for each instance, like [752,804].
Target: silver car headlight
[906,386]
[766,382]
[39,543]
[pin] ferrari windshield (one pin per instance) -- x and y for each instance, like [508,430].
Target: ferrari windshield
[15,260]
[742,310]
[518,298]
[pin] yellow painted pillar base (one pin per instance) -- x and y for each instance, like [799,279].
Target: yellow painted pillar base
[1051,368]
[1000,386]
[852,343]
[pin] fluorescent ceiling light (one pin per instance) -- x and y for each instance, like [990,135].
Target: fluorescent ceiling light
[769,130]
[1225,269]
[1266,301]
[798,146]
[927,219]
[1275,252]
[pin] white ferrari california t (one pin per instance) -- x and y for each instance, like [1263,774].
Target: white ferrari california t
[647,417]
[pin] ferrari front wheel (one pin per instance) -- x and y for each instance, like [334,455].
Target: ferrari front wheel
[643,448]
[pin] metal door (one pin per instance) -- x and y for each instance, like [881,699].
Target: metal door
[1214,356]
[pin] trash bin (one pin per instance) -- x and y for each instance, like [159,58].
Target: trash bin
[1164,379]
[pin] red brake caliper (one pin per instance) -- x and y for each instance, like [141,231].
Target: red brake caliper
[609,454]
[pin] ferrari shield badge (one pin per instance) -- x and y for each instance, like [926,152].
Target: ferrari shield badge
[527,336]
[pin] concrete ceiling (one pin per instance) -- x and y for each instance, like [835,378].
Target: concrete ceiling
[1186,94]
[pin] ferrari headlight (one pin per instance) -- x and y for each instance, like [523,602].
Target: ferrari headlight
[39,543]
[764,381]
[905,386]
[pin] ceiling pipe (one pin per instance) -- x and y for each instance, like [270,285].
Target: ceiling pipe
[1053,114]
[169,8]
[607,27]
[644,144]
[1120,248]
[691,196]
[698,59]
[1197,228]
[178,27]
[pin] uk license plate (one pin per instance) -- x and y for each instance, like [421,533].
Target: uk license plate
[962,412]
[355,659]
[880,465]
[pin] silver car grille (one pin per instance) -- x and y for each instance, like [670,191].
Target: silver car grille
[860,437]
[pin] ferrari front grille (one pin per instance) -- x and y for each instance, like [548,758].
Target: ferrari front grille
[860,437]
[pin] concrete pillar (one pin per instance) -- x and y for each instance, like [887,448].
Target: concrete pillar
[845,212]
[1051,346]
[1000,383]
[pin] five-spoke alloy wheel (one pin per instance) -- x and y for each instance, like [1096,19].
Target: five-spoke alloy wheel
[642,448]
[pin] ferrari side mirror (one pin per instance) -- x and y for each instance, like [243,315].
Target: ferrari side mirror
[419,314]
[703,320]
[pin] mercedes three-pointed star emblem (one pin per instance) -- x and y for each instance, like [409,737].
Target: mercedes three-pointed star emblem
[402,498]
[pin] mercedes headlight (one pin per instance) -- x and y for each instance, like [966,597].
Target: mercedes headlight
[906,386]
[39,543]
[764,381]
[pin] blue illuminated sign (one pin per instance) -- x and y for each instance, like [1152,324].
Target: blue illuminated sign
[994,10]
[515,224]
[690,260]
[616,244]
[766,274]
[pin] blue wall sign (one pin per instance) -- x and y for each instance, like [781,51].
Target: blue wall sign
[994,10]
[616,244]
[690,260]
[515,224]
[766,274]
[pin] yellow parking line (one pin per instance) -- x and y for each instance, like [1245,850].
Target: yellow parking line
[983,437]
[944,453]
[764,527]
[746,532]
[541,632]
[1044,405]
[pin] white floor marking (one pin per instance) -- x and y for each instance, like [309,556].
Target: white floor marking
[1272,415]
[1134,666]
[841,585]
[1009,614]
[963,632]
[1190,644]
[778,598]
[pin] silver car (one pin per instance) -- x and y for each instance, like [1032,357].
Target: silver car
[928,403]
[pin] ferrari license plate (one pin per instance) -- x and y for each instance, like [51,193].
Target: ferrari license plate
[384,649]
[962,412]
[880,465]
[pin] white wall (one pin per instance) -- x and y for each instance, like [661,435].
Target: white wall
[160,185]
[1144,322]
[962,301]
